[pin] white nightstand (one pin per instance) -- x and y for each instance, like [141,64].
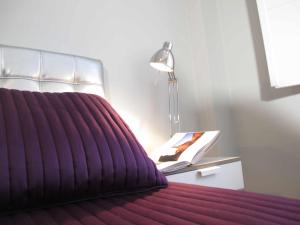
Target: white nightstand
[222,172]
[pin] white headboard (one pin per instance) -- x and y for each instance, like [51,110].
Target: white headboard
[38,70]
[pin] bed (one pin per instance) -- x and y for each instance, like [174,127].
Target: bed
[67,157]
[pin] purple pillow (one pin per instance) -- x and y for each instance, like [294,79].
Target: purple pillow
[57,147]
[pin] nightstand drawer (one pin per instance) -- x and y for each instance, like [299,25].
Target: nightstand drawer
[229,176]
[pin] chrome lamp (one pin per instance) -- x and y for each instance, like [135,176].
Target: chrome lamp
[163,60]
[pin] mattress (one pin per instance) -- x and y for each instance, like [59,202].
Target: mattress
[177,204]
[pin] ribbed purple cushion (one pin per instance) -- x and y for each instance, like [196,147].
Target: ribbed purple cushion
[65,146]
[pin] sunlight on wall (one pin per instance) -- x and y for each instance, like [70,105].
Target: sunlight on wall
[136,127]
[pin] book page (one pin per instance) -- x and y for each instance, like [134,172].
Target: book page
[166,148]
[180,146]
[185,146]
[205,149]
[171,166]
[199,145]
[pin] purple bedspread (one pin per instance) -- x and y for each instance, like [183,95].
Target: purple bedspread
[57,147]
[178,204]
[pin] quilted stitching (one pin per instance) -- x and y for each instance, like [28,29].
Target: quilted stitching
[56,147]
[178,204]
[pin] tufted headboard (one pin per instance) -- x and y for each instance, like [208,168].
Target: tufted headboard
[38,70]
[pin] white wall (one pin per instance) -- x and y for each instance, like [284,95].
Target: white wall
[211,77]
[124,35]
[264,122]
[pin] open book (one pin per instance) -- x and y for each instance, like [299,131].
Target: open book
[184,149]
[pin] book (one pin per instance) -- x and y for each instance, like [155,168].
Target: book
[184,149]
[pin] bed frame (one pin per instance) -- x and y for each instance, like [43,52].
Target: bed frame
[44,71]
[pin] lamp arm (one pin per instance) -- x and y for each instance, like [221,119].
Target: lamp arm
[173,104]
[172,76]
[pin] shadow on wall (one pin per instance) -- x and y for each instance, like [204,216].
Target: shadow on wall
[269,147]
[267,92]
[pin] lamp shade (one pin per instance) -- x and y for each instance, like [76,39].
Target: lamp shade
[163,59]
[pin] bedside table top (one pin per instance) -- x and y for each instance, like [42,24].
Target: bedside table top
[206,162]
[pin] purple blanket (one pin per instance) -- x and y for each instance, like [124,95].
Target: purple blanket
[57,147]
[178,204]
